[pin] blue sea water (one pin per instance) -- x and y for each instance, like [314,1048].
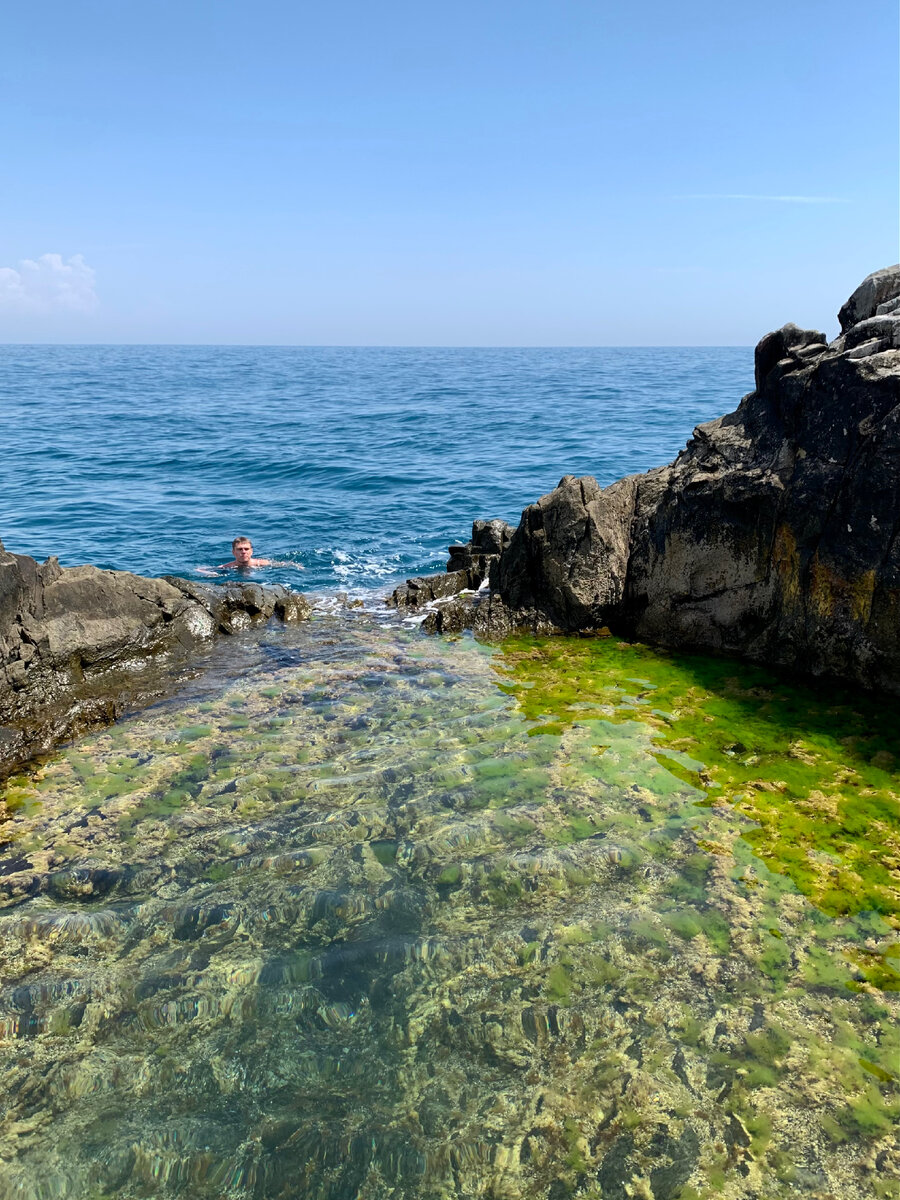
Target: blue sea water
[361,464]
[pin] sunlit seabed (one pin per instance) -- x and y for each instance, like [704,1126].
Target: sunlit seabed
[366,914]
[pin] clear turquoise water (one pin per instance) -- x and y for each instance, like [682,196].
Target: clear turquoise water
[363,464]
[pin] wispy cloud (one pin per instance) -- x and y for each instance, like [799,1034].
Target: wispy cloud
[771,199]
[48,284]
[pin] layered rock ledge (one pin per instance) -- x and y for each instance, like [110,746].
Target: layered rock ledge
[78,645]
[468,568]
[773,535]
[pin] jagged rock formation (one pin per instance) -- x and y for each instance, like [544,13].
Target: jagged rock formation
[467,568]
[773,535]
[79,645]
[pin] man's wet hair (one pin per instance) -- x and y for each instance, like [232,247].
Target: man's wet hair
[241,541]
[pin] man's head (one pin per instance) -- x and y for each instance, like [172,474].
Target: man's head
[242,549]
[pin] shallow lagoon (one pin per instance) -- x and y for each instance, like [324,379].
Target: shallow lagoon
[361,913]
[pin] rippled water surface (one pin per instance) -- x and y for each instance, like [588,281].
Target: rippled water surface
[360,464]
[361,913]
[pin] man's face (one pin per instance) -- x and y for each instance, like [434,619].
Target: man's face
[243,554]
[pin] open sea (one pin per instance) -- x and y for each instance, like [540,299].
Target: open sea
[362,914]
[360,464]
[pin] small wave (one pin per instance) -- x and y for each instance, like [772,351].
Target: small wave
[379,568]
[357,572]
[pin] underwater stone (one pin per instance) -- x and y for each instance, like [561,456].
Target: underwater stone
[667,1179]
[83,882]
[615,1170]
[533,1015]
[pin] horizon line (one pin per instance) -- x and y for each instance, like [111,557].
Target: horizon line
[396,345]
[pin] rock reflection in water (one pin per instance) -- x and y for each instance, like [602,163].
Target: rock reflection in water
[364,914]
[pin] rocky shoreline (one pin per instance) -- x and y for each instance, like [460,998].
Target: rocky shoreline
[773,536]
[79,646]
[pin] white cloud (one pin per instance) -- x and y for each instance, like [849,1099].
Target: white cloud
[48,284]
[776,199]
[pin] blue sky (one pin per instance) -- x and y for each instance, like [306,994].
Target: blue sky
[531,173]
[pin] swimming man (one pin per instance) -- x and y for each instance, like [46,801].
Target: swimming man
[242,549]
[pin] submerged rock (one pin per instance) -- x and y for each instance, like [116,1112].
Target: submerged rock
[773,535]
[78,645]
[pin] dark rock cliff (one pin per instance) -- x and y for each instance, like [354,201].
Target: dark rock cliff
[773,535]
[79,645]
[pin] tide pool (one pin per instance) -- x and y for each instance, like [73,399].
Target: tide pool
[361,913]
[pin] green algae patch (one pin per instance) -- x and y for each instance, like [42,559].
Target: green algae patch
[385,851]
[821,807]
[880,970]
[559,983]
[192,733]
[869,1115]
[20,795]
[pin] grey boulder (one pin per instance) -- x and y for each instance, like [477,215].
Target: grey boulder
[79,645]
[772,536]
